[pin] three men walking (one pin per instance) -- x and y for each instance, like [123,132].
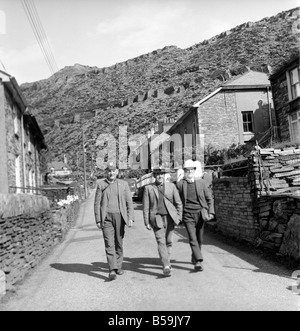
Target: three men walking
[164,207]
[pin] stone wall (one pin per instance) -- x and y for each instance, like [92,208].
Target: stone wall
[263,207]
[281,102]
[279,223]
[21,144]
[234,208]
[284,104]
[13,140]
[19,204]
[218,120]
[25,239]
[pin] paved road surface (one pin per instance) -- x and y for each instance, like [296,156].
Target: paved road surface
[75,277]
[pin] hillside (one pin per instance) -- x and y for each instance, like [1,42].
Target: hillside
[142,90]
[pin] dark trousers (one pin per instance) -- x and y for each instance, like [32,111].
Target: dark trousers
[113,233]
[194,225]
[164,239]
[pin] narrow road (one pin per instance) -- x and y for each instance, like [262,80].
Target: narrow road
[75,277]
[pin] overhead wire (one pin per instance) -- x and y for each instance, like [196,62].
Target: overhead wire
[39,33]
[2,65]
[43,34]
[38,37]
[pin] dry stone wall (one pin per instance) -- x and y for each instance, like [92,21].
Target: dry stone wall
[25,239]
[264,207]
[279,224]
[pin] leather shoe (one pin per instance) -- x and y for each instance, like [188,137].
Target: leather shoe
[112,275]
[120,272]
[167,271]
[198,266]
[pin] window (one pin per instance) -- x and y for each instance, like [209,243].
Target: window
[295,82]
[248,121]
[16,125]
[31,177]
[295,126]
[18,174]
[30,149]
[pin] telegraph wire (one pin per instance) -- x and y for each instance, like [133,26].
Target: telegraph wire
[41,41]
[43,34]
[32,23]
[40,35]
[3,65]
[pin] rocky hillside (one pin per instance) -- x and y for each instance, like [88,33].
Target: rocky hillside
[160,84]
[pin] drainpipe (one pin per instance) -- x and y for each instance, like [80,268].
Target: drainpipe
[270,115]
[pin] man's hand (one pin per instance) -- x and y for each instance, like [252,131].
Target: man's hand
[99,226]
[211,217]
[148,227]
[130,223]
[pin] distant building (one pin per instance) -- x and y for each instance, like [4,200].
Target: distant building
[21,141]
[150,152]
[285,84]
[58,168]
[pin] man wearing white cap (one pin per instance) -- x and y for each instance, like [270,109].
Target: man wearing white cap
[198,207]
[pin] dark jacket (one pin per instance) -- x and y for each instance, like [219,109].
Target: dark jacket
[125,201]
[172,202]
[204,194]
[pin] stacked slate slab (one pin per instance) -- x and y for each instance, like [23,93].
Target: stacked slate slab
[275,171]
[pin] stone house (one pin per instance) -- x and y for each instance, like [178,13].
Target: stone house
[238,112]
[21,141]
[285,83]
[148,149]
[58,168]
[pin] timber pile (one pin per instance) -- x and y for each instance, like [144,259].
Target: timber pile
[275,171]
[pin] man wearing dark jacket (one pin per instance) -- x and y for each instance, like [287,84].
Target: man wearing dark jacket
[162,210]
[113,210]
[198,207]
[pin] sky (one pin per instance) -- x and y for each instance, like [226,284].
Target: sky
[104,32]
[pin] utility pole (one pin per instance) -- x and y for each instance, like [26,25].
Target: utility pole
[84,166]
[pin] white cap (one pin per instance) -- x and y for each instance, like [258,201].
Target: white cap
[189,164]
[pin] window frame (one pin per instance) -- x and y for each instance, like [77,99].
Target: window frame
[16,125]
[292,86]
[291,122]
[250,112]
[30,145]
[18,178]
